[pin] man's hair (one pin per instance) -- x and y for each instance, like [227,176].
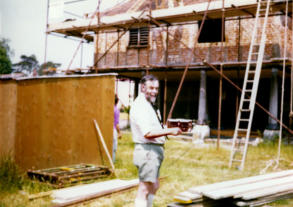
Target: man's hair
[148,78]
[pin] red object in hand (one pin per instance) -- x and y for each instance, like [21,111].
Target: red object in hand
[184,124]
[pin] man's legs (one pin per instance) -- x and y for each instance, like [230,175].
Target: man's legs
[151,195]
[145,194]
[115,143]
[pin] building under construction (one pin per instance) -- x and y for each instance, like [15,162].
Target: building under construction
[204,52]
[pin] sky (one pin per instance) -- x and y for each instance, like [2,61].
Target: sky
[23,22]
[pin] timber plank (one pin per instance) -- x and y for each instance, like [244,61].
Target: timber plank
[239,182]
[230,192]
[287,187]
[265,200]
[76,194]
[250,191]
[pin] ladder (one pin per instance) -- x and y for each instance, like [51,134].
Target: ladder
[250,87]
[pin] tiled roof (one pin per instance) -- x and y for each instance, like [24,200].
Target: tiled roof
[128,5]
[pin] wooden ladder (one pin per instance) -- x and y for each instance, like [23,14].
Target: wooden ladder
[250,87]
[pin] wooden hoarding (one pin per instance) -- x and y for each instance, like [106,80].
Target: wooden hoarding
[53,120]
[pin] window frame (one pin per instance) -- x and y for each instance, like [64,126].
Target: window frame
[211,31]
[138,37]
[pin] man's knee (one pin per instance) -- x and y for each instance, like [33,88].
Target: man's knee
[155,186]
[144,188]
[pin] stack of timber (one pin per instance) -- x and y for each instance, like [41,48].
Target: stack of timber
[65,175]
[250,191]
[77,194]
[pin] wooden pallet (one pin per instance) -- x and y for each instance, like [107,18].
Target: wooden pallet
[65,175]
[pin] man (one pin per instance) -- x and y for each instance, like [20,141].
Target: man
[149,138]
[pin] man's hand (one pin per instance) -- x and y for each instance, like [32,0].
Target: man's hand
[175,131]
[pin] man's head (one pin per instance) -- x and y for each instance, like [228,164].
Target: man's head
[150,87]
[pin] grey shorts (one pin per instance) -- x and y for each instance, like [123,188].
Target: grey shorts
[148,159]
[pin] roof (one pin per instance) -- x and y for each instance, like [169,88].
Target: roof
[139,5]
[129,13]
[19,77]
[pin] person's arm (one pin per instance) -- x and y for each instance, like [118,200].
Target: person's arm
[163,132]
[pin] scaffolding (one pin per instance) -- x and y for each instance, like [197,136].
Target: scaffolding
[165,18]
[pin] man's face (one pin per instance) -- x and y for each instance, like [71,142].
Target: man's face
[150,89]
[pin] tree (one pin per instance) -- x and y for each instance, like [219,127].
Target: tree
[5,62]
[48,67]
[27,64]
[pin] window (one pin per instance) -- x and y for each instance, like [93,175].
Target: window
[211,31]
[139,37]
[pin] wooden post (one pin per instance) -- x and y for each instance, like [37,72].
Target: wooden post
[221,79]
[167,47]
[150,41]
[81,54]
[104,145]
[105,58]
[165,99]
[291,86]
[118,48]
[238,68]
[46,37]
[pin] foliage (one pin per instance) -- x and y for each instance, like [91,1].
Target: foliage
[50,64]
[5,62]
[45,67]
[27,64]
[10,177]
[125,109]
[5,43]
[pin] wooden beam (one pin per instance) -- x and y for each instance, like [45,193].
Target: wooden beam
[104,145]
[166,22]
[154,20]
[135,19]
[78,194]
[201,15]
[266,192]
[239,182]
[243,10]
[234,191]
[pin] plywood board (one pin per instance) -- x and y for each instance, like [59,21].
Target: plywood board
[75,194]
[8,103]
[53,120]
[230,192]
[239,182]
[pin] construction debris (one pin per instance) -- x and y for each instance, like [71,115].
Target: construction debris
[60,176]
[250,191]
[77,194]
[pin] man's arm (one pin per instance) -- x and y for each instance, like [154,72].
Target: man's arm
[163,132]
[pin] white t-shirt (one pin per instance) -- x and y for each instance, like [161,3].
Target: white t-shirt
[143,119]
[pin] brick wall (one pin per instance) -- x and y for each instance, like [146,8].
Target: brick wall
[236,45]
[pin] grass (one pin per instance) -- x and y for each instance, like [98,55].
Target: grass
[185,166]
[10,179]
[123,116]
[14,186]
